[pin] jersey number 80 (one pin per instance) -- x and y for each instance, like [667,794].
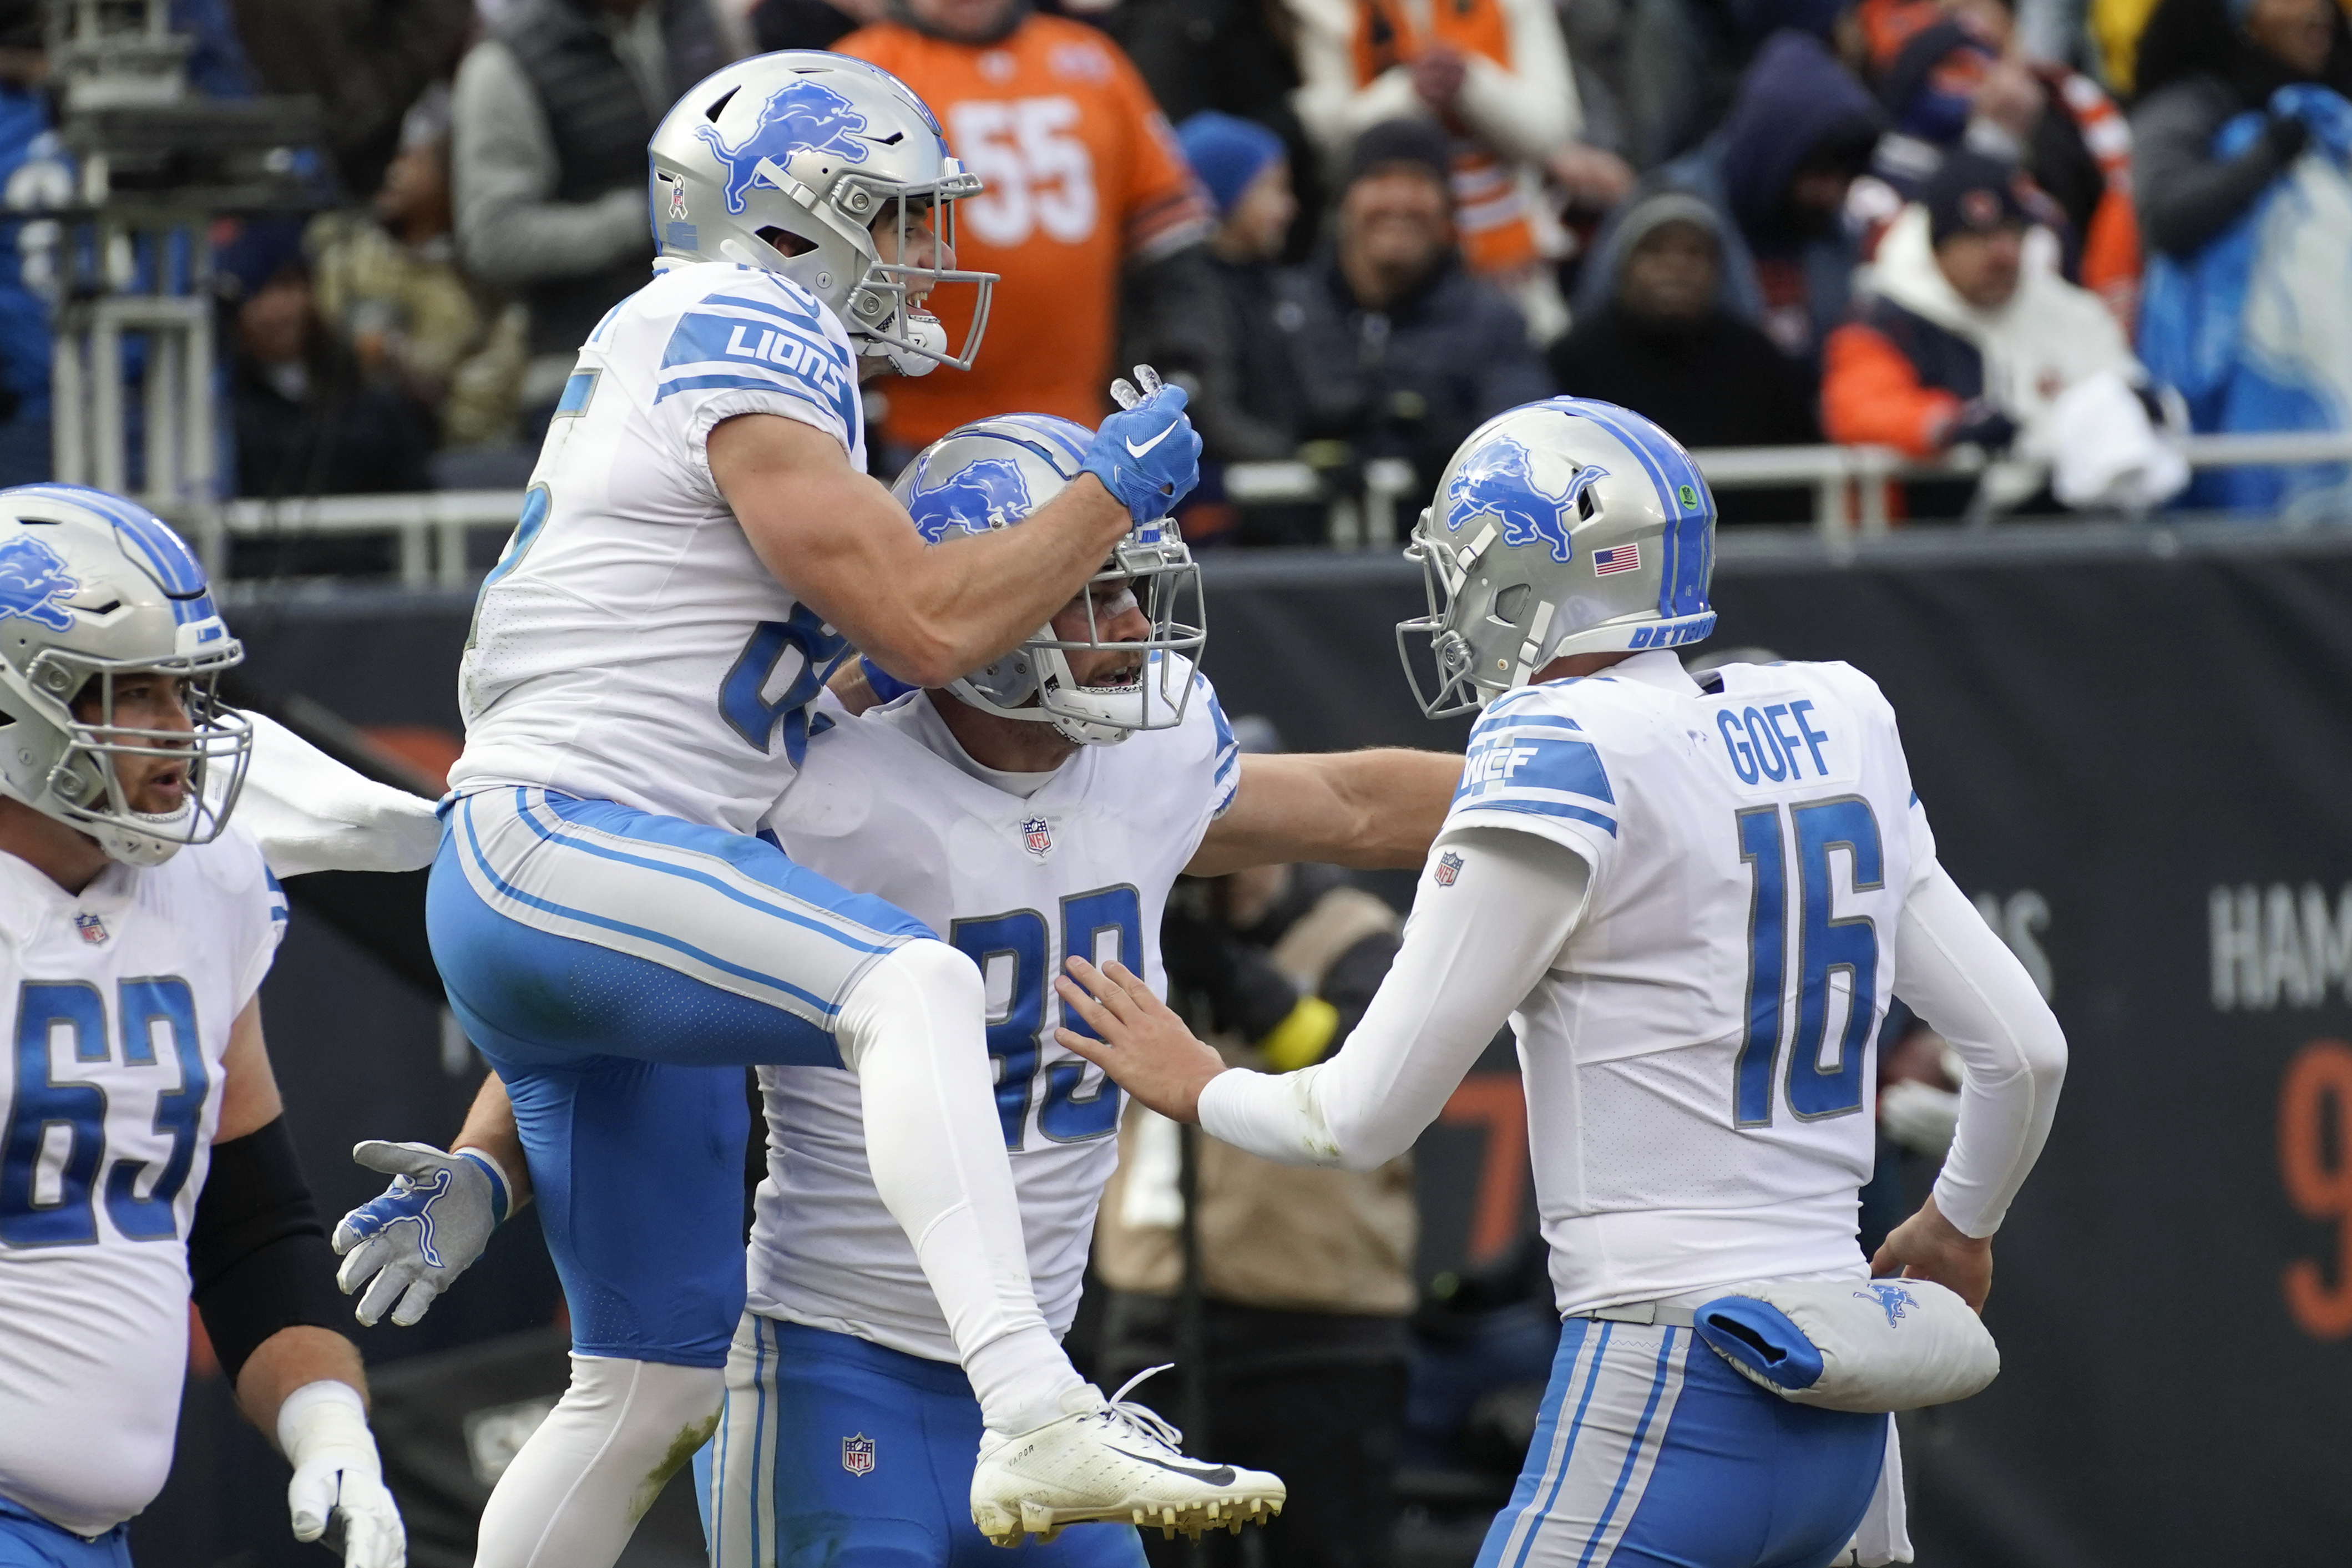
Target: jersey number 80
[1013,947]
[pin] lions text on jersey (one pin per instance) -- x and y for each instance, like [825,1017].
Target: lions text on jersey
[1081,863]
[630,646]
[122,1001]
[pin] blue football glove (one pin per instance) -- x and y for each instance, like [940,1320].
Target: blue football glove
[1148,454]
[411,1244]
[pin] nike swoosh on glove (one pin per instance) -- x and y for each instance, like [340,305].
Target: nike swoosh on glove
[414,1241]
[1147,454]
[339,1477]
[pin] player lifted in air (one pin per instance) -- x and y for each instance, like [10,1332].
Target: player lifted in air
[1040,806]
[700,546]
[1692,902]
[144,1157]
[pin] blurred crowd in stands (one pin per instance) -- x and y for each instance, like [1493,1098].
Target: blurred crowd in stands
[2047,230]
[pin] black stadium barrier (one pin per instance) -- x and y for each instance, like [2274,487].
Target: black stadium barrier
[2133,744]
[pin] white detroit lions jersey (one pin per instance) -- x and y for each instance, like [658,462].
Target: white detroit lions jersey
[121,1003]
[629,645]
[1082,865]
[1700,1061]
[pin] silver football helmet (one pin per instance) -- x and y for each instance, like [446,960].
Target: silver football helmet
[1560,527]
[93,587]
[991,474]
[819,147]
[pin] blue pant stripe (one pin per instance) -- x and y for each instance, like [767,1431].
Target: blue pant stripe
[1633,1450]
[759,1428]
[1591,1377]
[624,928]
[569,839]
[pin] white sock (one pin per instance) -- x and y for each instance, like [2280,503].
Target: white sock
[574,1493]
[914,1030]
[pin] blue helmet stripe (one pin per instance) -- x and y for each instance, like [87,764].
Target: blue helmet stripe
[1688,543]
[166,556]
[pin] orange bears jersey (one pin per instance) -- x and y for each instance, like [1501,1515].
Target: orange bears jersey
[1082,175]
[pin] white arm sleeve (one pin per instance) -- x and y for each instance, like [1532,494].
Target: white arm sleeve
[310,813]
[1955,973]
[1471,951]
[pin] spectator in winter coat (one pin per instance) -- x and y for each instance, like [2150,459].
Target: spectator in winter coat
[1965,333]
[1776,173]
[2244,144]
[1214,332]
[1494,74]
[1399,350]
[1667,345]
[2201,65]
[551,114]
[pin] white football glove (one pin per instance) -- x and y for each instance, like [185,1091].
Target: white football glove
[337,1477]
[429,1225]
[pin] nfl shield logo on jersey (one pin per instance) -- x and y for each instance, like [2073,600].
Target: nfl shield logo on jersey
[92,929]
[1037,836]
[858,1455]
[1449,865]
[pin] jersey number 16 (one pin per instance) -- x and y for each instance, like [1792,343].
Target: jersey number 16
[1825,947]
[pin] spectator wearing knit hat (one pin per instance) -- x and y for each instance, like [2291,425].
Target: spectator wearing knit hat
[1667,344]
[1244,401]
[1397,350]
[1776,173]
[1964,332]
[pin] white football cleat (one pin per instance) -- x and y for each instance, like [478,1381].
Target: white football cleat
[1116,1461]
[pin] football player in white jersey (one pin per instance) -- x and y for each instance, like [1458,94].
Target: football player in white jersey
[1692,902]
[143,1157]
[1038,806]
[702,545]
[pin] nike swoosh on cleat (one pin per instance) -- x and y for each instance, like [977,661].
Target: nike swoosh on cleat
[1223,1476]
[1135,451]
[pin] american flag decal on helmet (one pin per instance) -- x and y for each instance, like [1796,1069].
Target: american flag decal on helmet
[1621,557]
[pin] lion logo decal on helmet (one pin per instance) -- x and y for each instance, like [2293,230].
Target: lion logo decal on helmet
[986,493]
[798,114]
[1500,482]
[33,580]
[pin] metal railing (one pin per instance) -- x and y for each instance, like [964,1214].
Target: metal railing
[1849,484]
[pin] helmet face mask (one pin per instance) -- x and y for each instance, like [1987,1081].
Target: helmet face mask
[993,473]
[839,155]
[93,591]
[1561,527]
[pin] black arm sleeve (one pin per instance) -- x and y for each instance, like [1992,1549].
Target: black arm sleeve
[258,1256]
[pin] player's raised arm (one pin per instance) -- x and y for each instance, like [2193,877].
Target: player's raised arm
[929,613]
[1375,810]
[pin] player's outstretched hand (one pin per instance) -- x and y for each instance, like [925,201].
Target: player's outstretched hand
[1929,1247]
[411,1244]
[1145,1049]
[1148,454]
